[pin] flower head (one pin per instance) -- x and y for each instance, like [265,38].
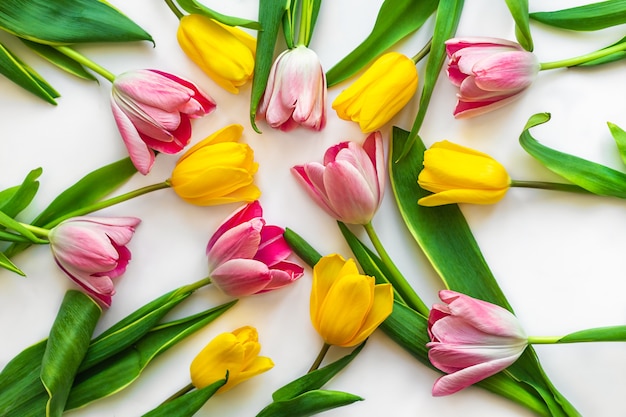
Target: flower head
[296,91]
[350,183]
[217,170]
[381,92]
[92,251]
[224,53]
[236,352]
[346,307]
[247,257]
[471,340]
[457,174]
[152,110]
[489,72]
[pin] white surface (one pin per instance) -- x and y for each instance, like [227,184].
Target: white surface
[558,257]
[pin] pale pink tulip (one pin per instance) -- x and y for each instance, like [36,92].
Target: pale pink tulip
[296,91]
[152,110]
[92,251]
[489,72]
[247,257]
[471,340]
[350,183]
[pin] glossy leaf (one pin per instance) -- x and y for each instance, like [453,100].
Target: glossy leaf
[315,379]
[588,17]
[519,12]
[309,403]
[270,16]
[607,59]
[21,74]
[396,20]
[62,61]
[591,176]
[67,343]
[16,199]
[75,21]
[7,264]
[194,7]
[598,334]
[620,139]
[446,22]
[187,405]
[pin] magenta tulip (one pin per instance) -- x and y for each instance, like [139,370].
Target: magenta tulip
[296,91]
[489,72]
[152,110]
[92,251]
[247,257]
[350,183]
[471,340]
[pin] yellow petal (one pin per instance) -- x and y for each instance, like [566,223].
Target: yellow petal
[381,309]
[223,353]
[463,196]
[230,133]
[259,365]
[325,272]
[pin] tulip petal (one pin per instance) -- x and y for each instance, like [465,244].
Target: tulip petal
[241,241]
[139,153]
[244,214]
[241,277]
[273,247]
[381,309]
[325,272]
[462,196]
[283,274]
[506,71]
[221,354]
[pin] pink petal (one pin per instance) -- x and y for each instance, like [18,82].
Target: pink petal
[241,241]
[273,248]
[243,214]
[311,176]
[506,71]
[241,277]
[140,154]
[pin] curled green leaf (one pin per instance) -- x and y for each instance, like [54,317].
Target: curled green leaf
[588,17]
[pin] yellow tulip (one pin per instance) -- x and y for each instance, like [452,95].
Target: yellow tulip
[457,174]
[380,93]
[217,170]
[346,307]
[224,53]
[236,352]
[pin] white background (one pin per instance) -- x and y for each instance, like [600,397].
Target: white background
[558,257]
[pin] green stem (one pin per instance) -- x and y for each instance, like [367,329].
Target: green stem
[570,62]
[423,52]
[179,393]
[82,59]
[304,31]
[320,357]
[194,286]
[554,186]
[398,281]
[110,202]
[39,231]
[174,9]
[543,340]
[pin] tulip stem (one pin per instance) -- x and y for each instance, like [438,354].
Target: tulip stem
[406,292]
[545,185]
[110,202]
[174,9]
[39,231]
[423,52]
[570,62]
[304,31]
[179,393]
[193,286]
[82,59]
[319,358]
[543,340]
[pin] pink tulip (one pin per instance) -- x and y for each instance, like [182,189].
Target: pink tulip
[471,340]
[92,250]
[296,91]
[152,110]
[248,257]
[350,183]
[489,72]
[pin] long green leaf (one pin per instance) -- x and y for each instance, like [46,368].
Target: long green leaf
[21,74]
[68,341]
[308,404]
[589,17]
[7,264]
[620,139]
[519,11]
[11,223]
[16,199]
[598,334]
[396,20]
[68,21]
[270,15]
[446,22]
[187,405]
[591,176]
[62,61]
[194,7]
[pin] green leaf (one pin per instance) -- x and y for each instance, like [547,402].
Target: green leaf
[62,61]
[270,15]
[194,7]
[21,74]
[446,22]
[607,59]
[16,199]
[13,224]
[589,17]
[593,177]
[315,379]
[68,341]
[7,264]
[308,404]
[598,334]
[74,21]
[519,12]
[620,139]
[187,405]
[396,20]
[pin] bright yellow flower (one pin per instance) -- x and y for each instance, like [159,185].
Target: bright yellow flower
[457,174]
[217,170]
[224,53]
[381,92]
[346,307]
[236,352]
